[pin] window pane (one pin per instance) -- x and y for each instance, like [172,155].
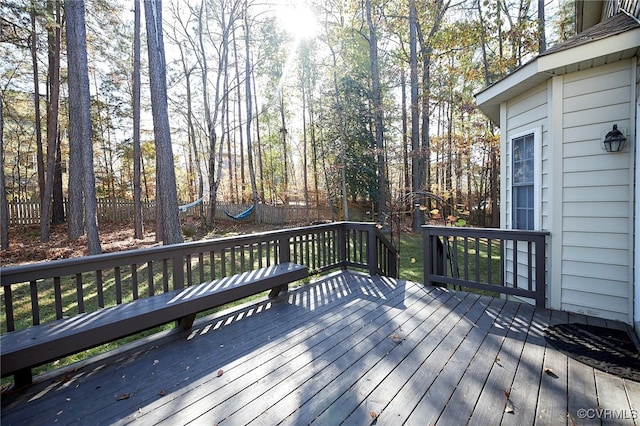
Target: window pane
[523,179]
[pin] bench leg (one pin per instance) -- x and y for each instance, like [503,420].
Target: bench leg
[23,378]
[185,323]
[277,290]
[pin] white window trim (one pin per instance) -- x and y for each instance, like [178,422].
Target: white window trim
[537,175]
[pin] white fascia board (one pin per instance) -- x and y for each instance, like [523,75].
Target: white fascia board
[589,51]
[518,82]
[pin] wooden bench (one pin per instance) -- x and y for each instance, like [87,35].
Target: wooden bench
[21,350]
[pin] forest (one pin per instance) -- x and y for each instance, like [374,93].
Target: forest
[338,103]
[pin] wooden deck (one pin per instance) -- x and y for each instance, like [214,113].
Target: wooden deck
[348,348]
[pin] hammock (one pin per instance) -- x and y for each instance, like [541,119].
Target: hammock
[188,206]
[243,215]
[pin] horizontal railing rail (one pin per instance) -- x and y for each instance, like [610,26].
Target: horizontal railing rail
[501,261]
[39,293]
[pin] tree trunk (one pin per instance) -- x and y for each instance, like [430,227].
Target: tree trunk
[167,197]
[416,157]
[38,117]
[378,116]
[405,129]
[4,206]
[53,110]
[247,71]
[285,154]
[80,115]
[57,210]
[542,46]
[138,228]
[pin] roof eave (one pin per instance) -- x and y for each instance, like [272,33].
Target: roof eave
[543,67]
[490,98]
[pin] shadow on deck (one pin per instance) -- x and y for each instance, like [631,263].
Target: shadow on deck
[347,348]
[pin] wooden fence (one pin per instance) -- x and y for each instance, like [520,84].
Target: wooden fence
[121,211]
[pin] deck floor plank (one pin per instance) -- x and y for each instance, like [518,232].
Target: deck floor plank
[359,391]
[613,403]
[529,370]
[436,397]
[401,405]
[463,400]
[272,351]
[495,400]
[582,382]
[404,380]
[346,348]
[309,400]
[294,367]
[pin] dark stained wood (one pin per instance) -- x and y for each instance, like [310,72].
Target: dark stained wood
[346,348]
[47,342]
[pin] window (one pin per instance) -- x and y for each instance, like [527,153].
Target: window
[523,183]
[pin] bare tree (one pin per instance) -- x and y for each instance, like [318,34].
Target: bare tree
[247,70]
[417,162]
[377,113]
[80,117]
[137,187]
[36,98]
[4,206]
[166,192]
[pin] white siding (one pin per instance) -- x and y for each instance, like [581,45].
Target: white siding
[597,211]
[526,113]
[586,194]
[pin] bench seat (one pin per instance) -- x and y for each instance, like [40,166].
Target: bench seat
[21,350]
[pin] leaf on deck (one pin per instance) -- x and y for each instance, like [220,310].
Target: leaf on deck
[123,396]
[550,373]
[509,408]
[220,372]
[396,338]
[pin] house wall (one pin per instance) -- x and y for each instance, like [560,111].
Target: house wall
[526,114]
[585,193]
[597,212]
[636,254]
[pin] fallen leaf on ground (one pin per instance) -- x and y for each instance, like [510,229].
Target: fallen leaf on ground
[507,394]
[550,373]
[162,392]
[124,396]
[220,372]
[373,414]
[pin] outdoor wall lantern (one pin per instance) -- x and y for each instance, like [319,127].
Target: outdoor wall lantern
[614,140]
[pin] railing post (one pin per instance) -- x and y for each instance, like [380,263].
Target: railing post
[284,250]
[178,272]
[426,249]
[342,244]
[541,283]
[372,255]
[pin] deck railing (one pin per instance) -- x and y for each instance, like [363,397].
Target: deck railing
[39,293]
[501,261]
